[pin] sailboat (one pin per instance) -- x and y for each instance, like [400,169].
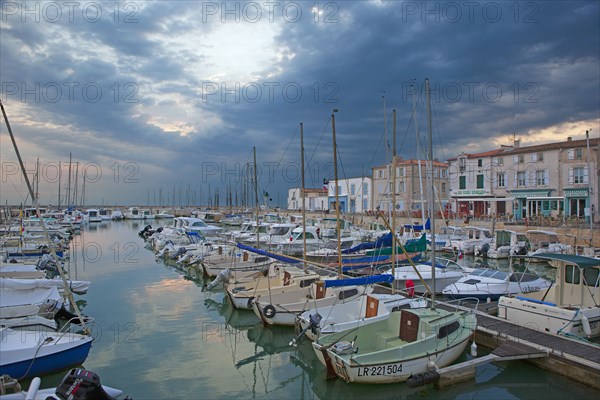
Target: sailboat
[410,341]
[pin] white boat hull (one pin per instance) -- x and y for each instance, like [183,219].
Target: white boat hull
[395,372]
[547,317]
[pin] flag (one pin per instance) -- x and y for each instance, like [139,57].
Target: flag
[460,254]
[325,183]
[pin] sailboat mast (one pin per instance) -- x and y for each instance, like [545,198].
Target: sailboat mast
[303,194]
[255,194]
[393,187]
[419,159]
[337,198]
[59,176]
[431,202]
[69,184]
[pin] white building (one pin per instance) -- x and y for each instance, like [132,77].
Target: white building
[354,194]
[316,199]
[555,179]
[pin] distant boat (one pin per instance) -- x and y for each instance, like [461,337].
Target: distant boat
[93,215]
[164,214]
[484,283]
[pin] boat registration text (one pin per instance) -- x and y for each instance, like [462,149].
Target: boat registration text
[380,370]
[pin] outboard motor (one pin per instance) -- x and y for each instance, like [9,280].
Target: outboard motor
[522,251]
[313,325]
[484,249]
[66,315]
[179,252]
[81,384]
[223,277]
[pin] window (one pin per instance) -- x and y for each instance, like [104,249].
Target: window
[572,274]
[521,158]
[365,188]
[353,189]
[575,154]
[480,163]
[339,190]
[500,160]
[501,176]
[579,175]
[540,156]
[449,329]
[480,181]
[591,277]
[381,174]
[401,187]
[443,187]
[521,179]
[462,182]
[541,178]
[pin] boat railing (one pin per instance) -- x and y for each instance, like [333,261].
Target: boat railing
[466,304]
[72,324]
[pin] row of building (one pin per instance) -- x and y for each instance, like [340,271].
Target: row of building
[551,180]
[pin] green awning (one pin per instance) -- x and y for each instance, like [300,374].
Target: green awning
[581,261]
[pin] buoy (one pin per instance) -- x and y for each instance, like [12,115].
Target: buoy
[474,349]
[585,323]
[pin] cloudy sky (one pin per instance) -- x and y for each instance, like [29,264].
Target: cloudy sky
[164,100]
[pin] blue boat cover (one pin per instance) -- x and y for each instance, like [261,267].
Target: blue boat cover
[268,254]
[383,241]
[367,280]
[357,264]
[419,228]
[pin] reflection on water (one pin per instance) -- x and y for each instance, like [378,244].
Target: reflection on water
[161,336]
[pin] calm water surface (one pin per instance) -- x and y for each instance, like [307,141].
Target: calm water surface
[158,336]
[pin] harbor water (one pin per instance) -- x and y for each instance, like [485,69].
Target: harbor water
[159,336]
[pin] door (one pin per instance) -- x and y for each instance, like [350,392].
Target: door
[409,326]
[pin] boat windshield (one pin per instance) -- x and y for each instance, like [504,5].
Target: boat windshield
[278,230]
[490,273]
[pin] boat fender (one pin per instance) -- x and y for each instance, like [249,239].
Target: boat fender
[269,311]
[250,300]
[585,323]
[474,349]
[423,378]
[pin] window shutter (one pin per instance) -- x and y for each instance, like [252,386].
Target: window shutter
[546,178]
[534,178]
[571,154]
[585,175]
[515,181]
[515,159]
[534,157]
[495,161]
[495,180]
[570,176]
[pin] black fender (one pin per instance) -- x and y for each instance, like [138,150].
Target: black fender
[269,311]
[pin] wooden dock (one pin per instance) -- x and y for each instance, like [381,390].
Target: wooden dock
[575,359]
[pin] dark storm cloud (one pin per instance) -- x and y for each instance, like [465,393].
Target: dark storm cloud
[530,67]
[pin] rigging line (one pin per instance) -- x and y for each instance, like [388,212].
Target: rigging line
[282,156]
[313,178]
[437,129]
[413,117]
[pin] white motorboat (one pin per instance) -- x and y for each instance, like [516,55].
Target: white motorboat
[569,307]
[486,283]
[446,272]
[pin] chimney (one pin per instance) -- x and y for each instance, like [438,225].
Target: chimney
[569,139]
[517,143]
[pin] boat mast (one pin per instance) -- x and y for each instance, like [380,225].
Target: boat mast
[431,189]
[394,200]
[69,184]
[419,160]
[337,202]
[589,168]
[303,194]
[59,176]
[255,194]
